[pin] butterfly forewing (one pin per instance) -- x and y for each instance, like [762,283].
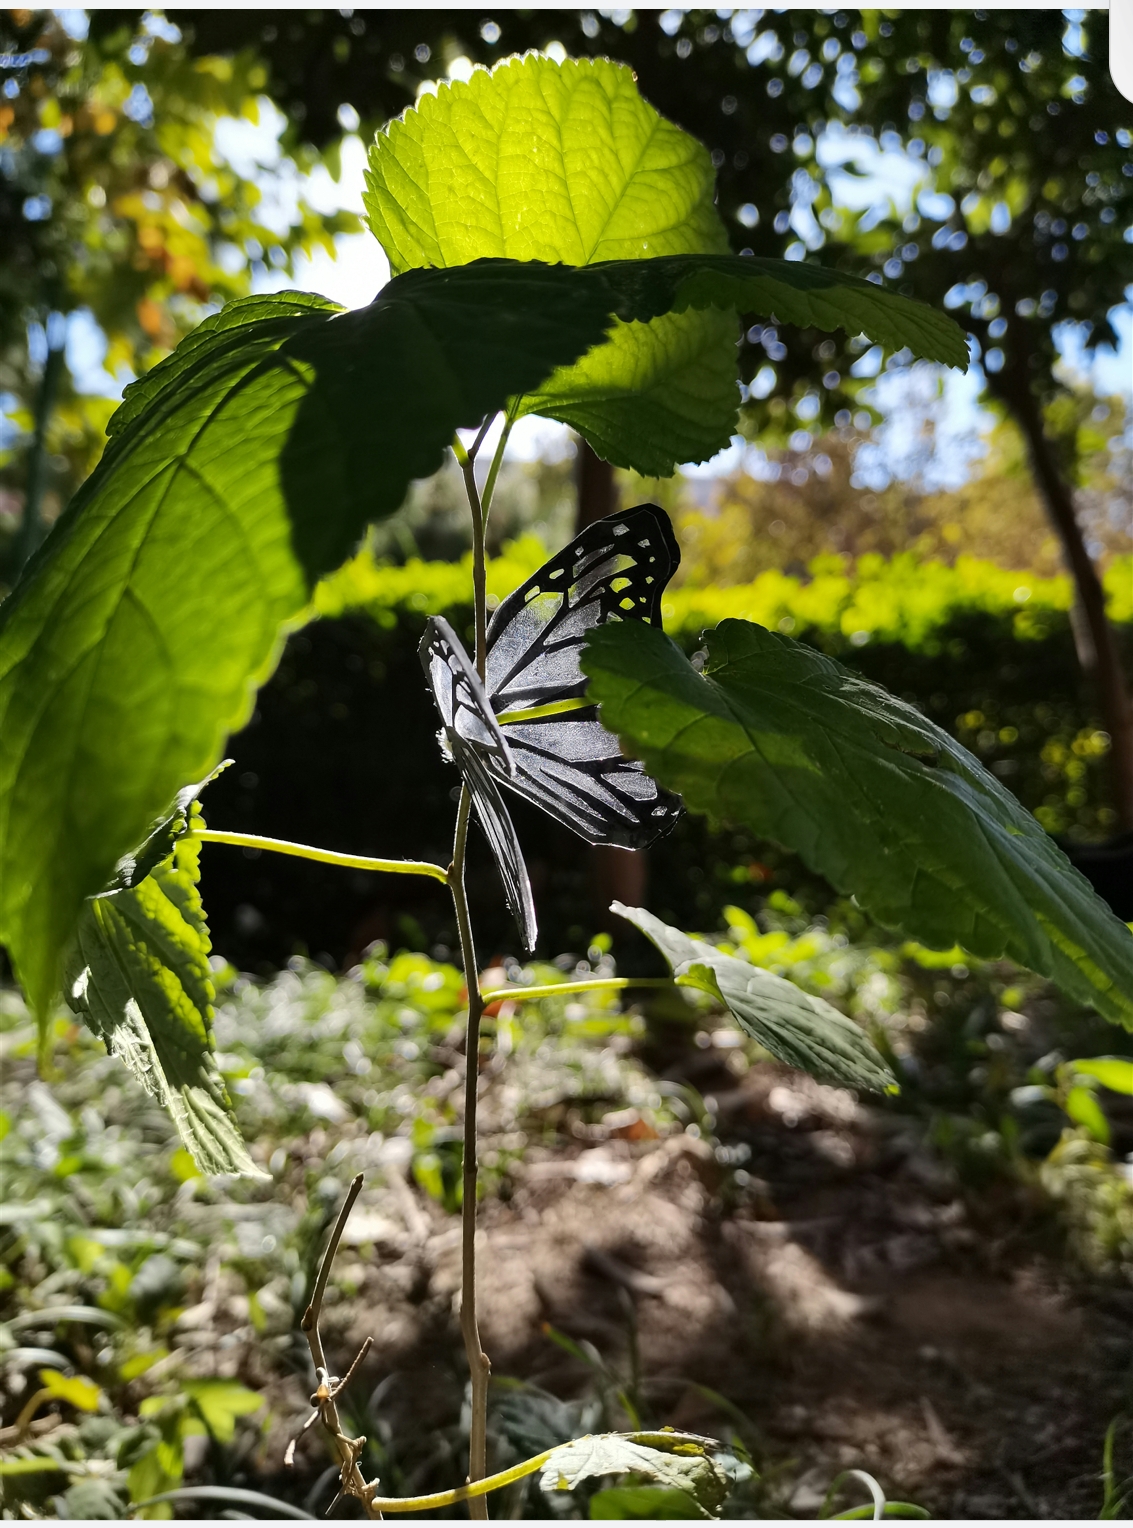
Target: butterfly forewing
[616,569]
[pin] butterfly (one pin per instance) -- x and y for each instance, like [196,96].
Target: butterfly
[528,726]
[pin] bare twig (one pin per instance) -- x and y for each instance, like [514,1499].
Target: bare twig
[327,1388]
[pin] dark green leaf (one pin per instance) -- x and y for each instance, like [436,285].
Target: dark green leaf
[238,471]
[138,975]
[869,792]
[651,1502]
[793,1026]
[133,868]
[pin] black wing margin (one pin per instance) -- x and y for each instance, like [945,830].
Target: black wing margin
[569,764]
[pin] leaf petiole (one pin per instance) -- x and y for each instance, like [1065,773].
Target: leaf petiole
[562,989]
[324,856]
[461,1493]
[552,708]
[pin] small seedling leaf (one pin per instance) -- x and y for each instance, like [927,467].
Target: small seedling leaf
[77,1391]
[219,1402]
[1083,1108]
[795,1027]
[693,1473]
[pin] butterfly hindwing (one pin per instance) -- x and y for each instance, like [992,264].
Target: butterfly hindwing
[472,738]
[569,764]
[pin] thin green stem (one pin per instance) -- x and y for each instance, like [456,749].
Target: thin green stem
[324,856]
[478,1364]
[469,1493]
[479,565]
[494,469]
[657,1440]
[562,989]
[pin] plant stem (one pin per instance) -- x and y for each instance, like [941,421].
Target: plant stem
[324,856]
[478,1364]
[346,1450]
[561,989]
[469,1493]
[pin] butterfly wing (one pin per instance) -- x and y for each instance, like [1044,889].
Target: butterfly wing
[495,820]
[472,738]
[569,764]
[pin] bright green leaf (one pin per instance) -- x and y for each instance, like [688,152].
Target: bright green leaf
[1084,1109]
[567,162]
[675,1460]
[652,1502]
[32,1464]
[1113,1072]
[539,161]
[138,975]
[793,1026]
[220,1402]
[78,1391]
[870,793]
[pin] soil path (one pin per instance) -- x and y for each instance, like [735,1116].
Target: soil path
[836,1296]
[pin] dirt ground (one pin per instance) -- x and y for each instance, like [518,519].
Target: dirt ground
[835,1291]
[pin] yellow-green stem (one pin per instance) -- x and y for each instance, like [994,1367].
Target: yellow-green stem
[562,989]
[469,1493]
[323,856]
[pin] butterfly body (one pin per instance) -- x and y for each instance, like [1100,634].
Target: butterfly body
[561,758]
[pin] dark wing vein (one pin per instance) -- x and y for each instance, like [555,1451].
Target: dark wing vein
[616,569]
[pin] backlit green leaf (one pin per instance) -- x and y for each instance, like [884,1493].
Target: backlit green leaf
[567,162]
[870,793]
[539,161]
[1084,1109]
[220,1402]
[138,975]
[1113,1072]
[78,1391]
[793,1026]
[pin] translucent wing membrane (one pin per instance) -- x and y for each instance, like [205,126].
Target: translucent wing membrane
[471,737]
[568,764]
[561,757]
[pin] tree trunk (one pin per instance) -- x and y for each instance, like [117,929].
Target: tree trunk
[597,491]
[32,528]
[1101,643]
